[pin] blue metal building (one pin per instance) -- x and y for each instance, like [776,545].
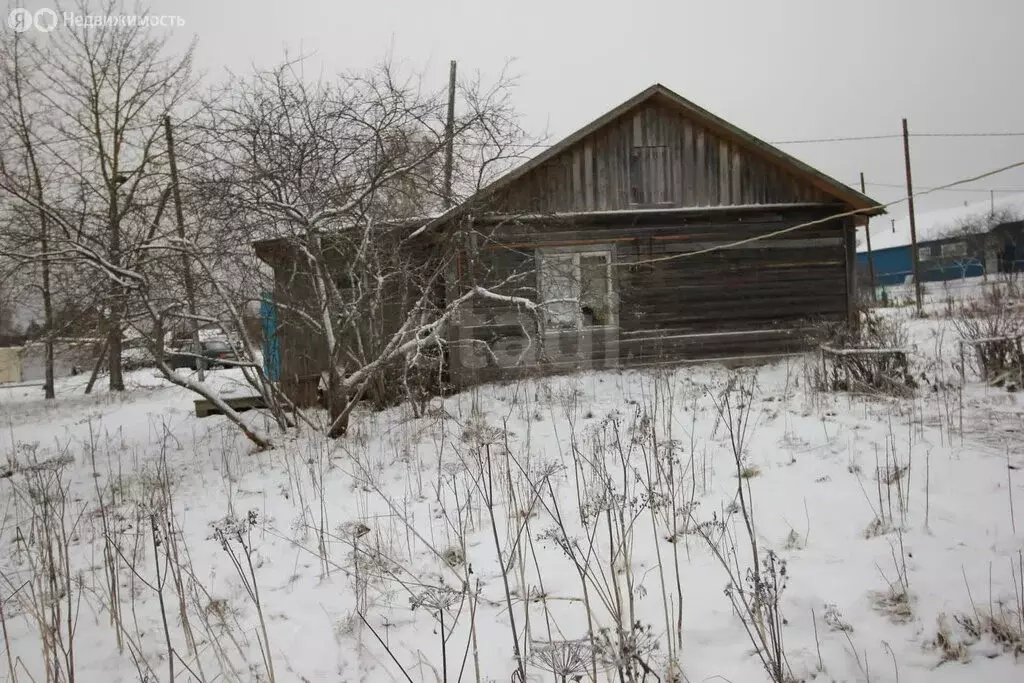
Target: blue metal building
[953,243]
[945,259]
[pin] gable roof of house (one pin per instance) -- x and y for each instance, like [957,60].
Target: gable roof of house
[659,92]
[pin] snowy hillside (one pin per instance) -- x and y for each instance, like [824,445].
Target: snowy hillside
[495,533]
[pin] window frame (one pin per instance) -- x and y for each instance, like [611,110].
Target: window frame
[576,253]
[955,250]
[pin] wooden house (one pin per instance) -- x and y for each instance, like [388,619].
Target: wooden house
[657,232]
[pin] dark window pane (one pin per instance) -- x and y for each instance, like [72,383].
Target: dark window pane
[594,299]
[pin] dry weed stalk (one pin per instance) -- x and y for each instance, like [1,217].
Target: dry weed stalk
[239,531]
[1000,620]
[755,591]
[53,593]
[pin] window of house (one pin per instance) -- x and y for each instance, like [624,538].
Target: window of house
[595,289]
[636,182]
[924,253]
[559,292]
[954,250]
[577,289]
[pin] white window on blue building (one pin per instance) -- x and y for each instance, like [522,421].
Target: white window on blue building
[954,250]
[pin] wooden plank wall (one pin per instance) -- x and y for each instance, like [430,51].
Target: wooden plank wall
[302,345]
[301,348]
[749,300]
[654,157]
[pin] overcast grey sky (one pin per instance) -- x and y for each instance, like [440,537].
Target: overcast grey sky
[784,69]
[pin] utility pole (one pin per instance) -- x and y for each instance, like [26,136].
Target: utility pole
[871,257]
[913,223]
[449,141]
[179,216]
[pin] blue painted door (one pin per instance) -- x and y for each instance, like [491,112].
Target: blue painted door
[271,344]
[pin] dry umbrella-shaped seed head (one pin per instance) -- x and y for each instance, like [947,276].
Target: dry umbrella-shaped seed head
[435,598]
[355,529]
[564,658]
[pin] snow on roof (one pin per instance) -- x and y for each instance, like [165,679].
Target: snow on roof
[933,225]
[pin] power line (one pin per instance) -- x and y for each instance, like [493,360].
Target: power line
[44,142]
[967,135]
[525,147]
[895,136]
[848,138]
[819,221]
[1004,190]
[854,138]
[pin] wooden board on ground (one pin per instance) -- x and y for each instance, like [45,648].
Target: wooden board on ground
[206,408]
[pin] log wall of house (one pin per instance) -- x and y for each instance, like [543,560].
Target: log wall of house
[655,156]
[753,299]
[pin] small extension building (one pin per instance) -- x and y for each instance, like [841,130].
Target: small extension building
[655,233]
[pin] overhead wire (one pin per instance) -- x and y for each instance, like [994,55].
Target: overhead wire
[819,221]
[76,138]
[894,136]
[846,138]
[902,186]
[967,135]
[852,138]
[526,146]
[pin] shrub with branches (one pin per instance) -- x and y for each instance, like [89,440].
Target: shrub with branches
[990,332]
[870,356]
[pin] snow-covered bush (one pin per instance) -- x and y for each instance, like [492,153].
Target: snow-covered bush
[870,356]
[990,331]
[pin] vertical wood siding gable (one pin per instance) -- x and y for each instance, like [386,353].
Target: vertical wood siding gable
[653,156]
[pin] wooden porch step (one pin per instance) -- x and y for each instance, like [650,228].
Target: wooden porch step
[206,408]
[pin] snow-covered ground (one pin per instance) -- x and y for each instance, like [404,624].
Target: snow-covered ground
[941,296]
[596,501]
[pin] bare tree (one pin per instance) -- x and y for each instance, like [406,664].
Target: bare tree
[982,222]
[9,296]
[343,173]
[17,119]
[86,104]
[339,175]
[973,241]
